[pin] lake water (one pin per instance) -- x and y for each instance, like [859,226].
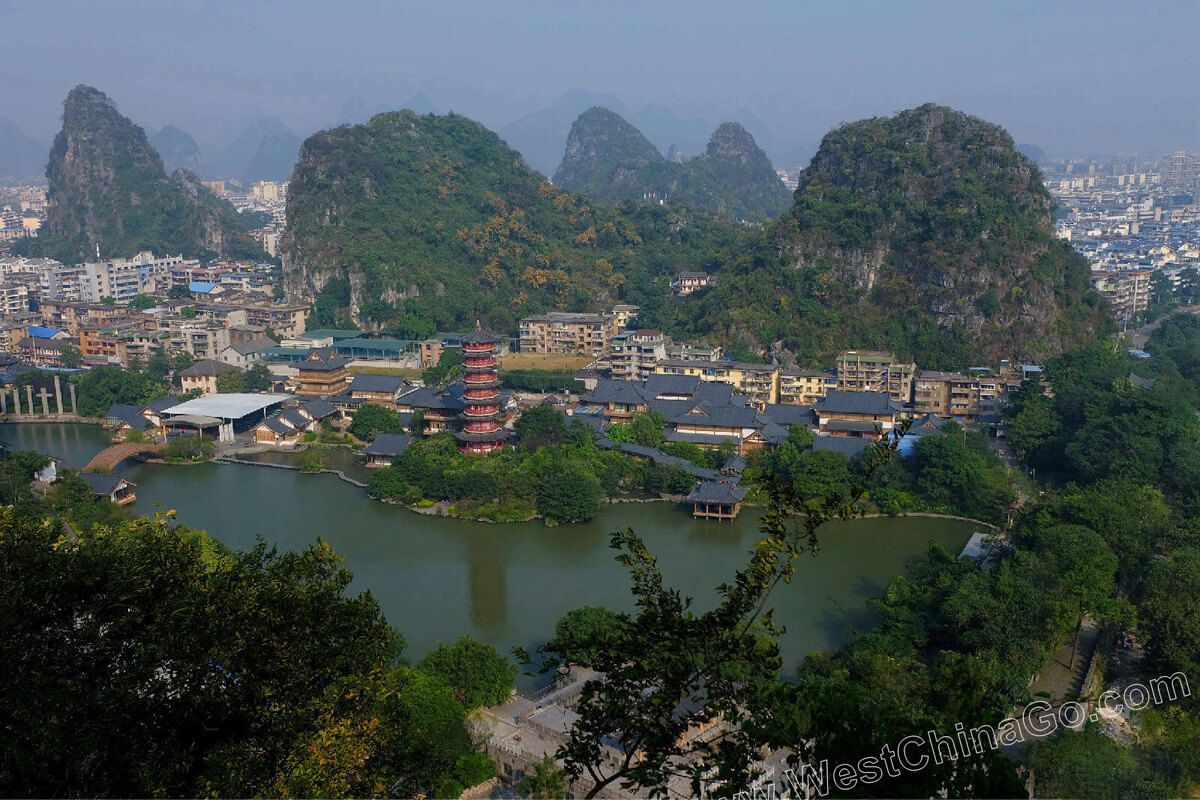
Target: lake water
[438,578]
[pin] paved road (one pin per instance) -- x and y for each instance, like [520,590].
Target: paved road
[1139,335]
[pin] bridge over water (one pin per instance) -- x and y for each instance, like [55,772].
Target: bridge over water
[108,458]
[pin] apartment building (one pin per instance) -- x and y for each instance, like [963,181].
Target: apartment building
[71,315]
[1127,291]
[964,397]
[633,354]
[431,353]
[567,333]
[14,298]
[687,282]
[684,351]
[804,386]
[122,279]
[12,331]
[875,371]
[759,381]
[63,282]
[286,319]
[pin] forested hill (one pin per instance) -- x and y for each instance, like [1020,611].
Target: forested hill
[608,159]
[926,233]
[411,223]
[107,186]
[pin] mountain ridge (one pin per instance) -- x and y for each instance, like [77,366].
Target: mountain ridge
[108,186]
[609,159]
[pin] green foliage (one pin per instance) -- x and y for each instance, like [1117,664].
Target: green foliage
[957,225]
[371,418]
[142,301]
[179,292]
[1170,615]
[479,675]
[1089,764]
[569,493]
[583,634]
[542,380]
[311,460]
[267,653]
[439,203]
[70,356]
[544,782]
[448,368]
[101,387]
[540,426]
[112,189]
[231,381]
[188,312]
[189,448]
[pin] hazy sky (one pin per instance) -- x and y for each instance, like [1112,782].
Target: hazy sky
[1075,78]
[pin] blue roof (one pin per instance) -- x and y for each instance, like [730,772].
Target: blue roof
[204,287]
[39,332]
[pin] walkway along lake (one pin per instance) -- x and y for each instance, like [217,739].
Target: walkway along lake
[438,578]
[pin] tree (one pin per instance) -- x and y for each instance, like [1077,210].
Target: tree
[258,379]
[1089,764]
[179,292]
[544,782]
[568,492]
[182,361]
[108,301]
[647,429]
[1084,570]
[70,356]
[371,418]
[540,426]
[188,312]
[479,675]
[232,381]
[583,634]
[1170,616]
[142,301]
[276,680]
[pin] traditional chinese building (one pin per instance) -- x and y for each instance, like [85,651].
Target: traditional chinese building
[482,432]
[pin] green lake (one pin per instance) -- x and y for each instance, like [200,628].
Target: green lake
[438,578]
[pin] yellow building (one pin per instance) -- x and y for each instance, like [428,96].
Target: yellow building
[759,381]
[804,386]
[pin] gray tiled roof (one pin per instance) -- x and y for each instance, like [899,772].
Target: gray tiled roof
[716,492]
[319,408]
[102,484]
[851,446]
[387,444]
[377,383]
[208,368]
[128,413]
[838,400]
[788,414]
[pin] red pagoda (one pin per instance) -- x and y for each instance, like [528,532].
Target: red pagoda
[481,433]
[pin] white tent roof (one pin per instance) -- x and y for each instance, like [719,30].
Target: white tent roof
[226,406]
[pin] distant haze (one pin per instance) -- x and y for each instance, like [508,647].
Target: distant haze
[1073,78]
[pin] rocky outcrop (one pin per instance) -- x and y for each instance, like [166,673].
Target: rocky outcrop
[926,232]
[610,160]
[108,187]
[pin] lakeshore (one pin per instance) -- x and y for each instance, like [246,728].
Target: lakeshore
[440,577]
